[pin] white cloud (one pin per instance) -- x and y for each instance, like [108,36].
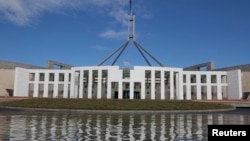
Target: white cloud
[105,3]
[120,16]
[15,11]
[111,34]
[24,12]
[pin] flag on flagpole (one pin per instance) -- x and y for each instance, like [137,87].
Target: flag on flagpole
[130,5]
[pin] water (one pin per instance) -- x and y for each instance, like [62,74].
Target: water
[79,126]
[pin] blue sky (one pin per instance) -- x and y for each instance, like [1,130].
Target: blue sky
[179,33]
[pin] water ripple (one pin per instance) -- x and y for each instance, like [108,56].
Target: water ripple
[94,127]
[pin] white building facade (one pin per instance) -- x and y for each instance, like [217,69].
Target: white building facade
[141,82]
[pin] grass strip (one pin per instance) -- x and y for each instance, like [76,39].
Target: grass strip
[53,103]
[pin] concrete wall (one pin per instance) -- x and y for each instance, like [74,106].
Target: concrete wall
[245,82]
[7,78]
[7,74]
[234,84]
[21,82]
[243,68]
[13,65]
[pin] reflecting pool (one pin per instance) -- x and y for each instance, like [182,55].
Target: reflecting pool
[76,126]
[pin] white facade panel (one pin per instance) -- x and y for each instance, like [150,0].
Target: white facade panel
[234,84]
[112,82]
[21,82]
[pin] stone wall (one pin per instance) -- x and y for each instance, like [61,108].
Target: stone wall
[7,74]
[13,65]
[245,82]
[7,77]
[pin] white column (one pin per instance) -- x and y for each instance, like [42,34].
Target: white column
[72,84]
[36,83]
[171,85]
[81,84]
[46,81]
[162,85]
[198,86]
[209,87]
[180,86]
[66,85]
[90,84]
[99,84]
[55,92]
[219,91]
[120,92]
[76,86]
[131,90]
[177,85]
[65,90]
[152,84]
[108,89]
[143,88]
[188,86]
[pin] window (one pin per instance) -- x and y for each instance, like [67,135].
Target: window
[147,74]
[95,76]
[32,76]
[203,79]
[126,74]
[41,77]
[224,79]
[193,78]
[69,77]
[61,77]
[51,77]
[147,79]
[184,78]
[213,79]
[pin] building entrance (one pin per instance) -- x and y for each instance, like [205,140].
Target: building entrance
[116,95]
[137,95]
[126,94]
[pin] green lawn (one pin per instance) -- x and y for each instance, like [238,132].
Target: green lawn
[115,104]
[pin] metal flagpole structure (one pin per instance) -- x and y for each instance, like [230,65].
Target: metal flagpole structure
[123,46]
[131,38]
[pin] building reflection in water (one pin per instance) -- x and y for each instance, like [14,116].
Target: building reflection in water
[82,126]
